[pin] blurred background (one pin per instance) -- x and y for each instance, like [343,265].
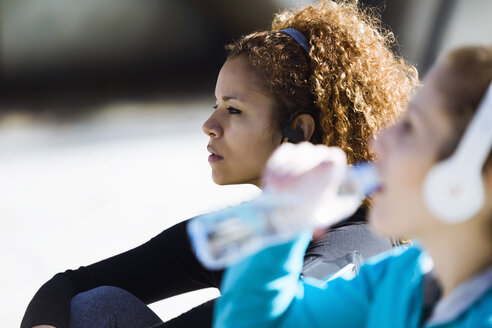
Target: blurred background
[101,107]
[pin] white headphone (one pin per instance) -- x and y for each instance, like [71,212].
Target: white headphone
[453,188]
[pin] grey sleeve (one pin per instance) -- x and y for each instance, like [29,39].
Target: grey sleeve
[349,244]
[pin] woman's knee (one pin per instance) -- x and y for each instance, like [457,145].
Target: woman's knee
[99,296]
[109,306]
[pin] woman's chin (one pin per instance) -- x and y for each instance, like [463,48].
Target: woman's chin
[222,180]
[219,181]
[379,220]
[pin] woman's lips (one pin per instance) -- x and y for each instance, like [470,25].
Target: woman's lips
[214,158]
[377,190]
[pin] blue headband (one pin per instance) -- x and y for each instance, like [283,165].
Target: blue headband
[298,37]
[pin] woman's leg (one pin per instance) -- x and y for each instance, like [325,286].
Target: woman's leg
[198,317]
[107,306]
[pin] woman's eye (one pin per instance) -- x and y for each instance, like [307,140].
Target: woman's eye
[406,126]
[233,110]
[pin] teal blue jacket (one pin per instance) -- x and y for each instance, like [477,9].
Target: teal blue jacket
[265,290]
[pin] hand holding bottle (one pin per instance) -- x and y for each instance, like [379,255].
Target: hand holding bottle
[308,176]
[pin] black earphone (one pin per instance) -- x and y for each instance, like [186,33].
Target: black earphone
[290,133]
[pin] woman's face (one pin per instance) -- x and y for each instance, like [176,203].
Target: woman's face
[405,154]
[241,129]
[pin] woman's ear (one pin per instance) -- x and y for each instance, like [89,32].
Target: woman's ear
[304,124]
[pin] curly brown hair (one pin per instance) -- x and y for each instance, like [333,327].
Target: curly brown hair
[350,82]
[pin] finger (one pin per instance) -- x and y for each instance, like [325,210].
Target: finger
[319,233]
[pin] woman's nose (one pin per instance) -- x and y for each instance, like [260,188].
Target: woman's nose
[212,128]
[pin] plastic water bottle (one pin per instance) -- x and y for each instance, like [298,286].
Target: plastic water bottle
[222,238]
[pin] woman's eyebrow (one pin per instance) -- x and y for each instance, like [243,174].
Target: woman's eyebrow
[232,97]
[226,98]
[419,115]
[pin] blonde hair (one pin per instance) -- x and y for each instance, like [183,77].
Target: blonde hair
[463,80]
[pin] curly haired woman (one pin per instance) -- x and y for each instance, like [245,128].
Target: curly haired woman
[323,74]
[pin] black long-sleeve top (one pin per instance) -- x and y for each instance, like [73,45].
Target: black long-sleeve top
[166,266]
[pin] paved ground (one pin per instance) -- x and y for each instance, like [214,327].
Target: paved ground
[72,194]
